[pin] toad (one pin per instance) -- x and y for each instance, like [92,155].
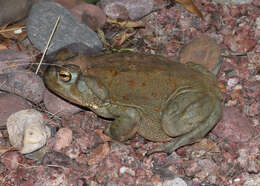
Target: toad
[159,99]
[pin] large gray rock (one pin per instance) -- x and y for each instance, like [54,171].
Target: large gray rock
[70,31]
[13,10]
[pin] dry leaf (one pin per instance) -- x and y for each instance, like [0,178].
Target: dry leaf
[189,5]
[222,87]
[102,37]
[5,44]
[127,23]
[15,31]
[2,46]
[208,145]
[122,37]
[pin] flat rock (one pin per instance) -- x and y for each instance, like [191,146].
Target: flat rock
[10,104]
[58,106]
[70,30]
[12,60]
[13,10]
[234,127]
[56,158]
[124,9]
[24,83]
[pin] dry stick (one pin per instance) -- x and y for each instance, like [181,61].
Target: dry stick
[47,46]
[12,29]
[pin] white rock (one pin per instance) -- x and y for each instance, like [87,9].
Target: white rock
[254,180]
[124,170]
[257,22]
[27,130]
[232,82]
[175,182]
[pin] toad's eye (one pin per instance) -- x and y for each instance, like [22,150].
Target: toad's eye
[65,76]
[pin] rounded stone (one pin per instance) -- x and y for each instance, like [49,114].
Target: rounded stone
[90,14]
[27,130]
[204,51]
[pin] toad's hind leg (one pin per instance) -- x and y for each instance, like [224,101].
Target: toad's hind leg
[152,130]
[197,133]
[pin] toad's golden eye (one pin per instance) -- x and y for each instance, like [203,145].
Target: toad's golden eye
[65,76]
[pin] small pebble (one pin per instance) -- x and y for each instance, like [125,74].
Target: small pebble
[73,152]
[88,140]
[56,158]
[63,139]
[175,182]
[232,82]
[127,170]
[98,154]
[253,180]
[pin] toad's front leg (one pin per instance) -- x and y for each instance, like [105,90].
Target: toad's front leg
[125,124]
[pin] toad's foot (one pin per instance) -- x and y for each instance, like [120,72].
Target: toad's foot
[170,146]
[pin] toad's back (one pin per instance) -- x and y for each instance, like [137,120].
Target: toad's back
[144,81]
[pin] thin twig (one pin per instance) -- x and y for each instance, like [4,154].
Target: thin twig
[12,29]
[2,84]
[47,46]
[15,162]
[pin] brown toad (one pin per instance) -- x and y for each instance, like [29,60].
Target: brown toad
[160,99]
